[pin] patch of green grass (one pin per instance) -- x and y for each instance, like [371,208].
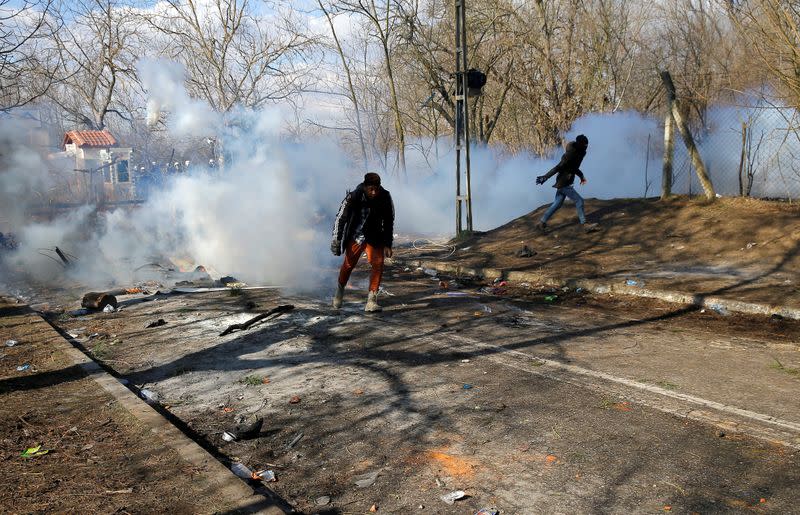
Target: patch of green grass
[787,370]
[100,351]
[666,385]
[578,457]
[252,380]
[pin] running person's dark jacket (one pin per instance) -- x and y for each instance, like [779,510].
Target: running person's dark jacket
[567,168]
[379,227]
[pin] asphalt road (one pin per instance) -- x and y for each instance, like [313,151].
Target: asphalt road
[574,404]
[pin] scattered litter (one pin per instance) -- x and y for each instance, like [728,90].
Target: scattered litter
[241,471]
[457,294]
[406,269]
[719,309]
[149,396]
[247,429]
[703,310]
[384,291]
[464,361]
[525,252]
[452,497]
[487,511]
[322,500]
[23,368]
[751,245]
[11,343]
[32,452]
[228,437]
[430,271]
[631,282]
[467,386]
[124,491]
[365,480]
[443,285]
[294,440]
[157,323]
[550,298]
[486,309]
[578,290]
[466,248]
[502,284]
[358,391]
[267,476]
[98,300]
[294,400]
[373,508]
[109,309]
[279,310]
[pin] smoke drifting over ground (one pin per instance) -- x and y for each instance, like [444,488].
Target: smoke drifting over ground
[266,218]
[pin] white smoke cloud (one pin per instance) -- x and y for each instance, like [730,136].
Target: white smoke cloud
[266,217]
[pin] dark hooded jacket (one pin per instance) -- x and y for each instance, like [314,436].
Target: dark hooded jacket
[377,215]
[567,168]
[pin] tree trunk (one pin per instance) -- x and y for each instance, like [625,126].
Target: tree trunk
[669,152]
[683,128]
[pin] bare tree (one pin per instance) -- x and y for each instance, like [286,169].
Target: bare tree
[98,45]
[771,29]
[383,21]
[232,55]
[27,65]
[351,89]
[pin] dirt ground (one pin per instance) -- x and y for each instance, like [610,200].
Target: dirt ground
[747,249]
[457,391]
[100,459]
[527,399]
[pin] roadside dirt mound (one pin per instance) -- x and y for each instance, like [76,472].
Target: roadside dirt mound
[734,244]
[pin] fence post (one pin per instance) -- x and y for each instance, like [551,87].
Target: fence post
[669,151]
[741,159]
[683,128]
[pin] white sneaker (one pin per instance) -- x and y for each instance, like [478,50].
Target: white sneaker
[372,303]
[337,298]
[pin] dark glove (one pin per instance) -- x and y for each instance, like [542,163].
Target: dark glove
[540,179]
[336,247]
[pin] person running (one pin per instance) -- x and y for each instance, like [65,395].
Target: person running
[364,223]
[567,169]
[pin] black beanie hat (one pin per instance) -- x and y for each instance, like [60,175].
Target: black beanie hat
[372,179]
[583,140]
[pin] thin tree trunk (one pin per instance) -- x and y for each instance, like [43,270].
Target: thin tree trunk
[669,152]
[683,128]
[350,86]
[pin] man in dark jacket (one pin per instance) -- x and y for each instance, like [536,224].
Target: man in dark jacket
[567,169]
[365,223]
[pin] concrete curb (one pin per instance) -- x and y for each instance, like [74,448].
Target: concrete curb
[606,287]
[220,482]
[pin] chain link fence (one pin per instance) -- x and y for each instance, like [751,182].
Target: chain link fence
[750,148]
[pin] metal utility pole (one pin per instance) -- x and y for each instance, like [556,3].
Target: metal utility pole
[462,117]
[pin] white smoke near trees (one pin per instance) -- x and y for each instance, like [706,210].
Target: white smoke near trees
[266,217]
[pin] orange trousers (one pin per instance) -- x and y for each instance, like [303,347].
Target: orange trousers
[352,252]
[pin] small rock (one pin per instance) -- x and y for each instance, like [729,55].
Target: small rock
[322,501]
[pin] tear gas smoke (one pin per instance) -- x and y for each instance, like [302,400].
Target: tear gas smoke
[267,217]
